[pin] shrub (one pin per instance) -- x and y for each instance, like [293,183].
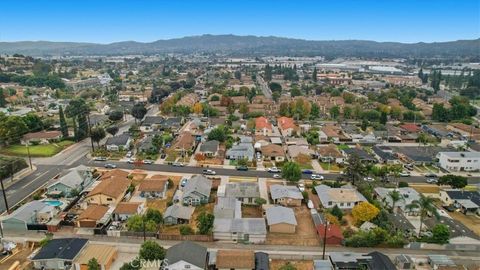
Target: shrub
[186,230]
[402,184]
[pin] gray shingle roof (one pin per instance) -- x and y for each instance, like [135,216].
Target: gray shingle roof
[121,139]
[209,146]
[279,191]
[179,211]
[242,190]
[26,212]
[227,208]
[280,214]
[189,252]
[198,183]
[240,225]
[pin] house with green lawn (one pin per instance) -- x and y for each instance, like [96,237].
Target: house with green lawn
[75,181]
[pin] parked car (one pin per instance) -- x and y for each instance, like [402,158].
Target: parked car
[404,174]
[183,182]
[277,176]
[131,160]
[129,154]
[432,181]
[306,171]
[110,166]
[408,167]
[310,204]
[368,179]
[177,164]
[242,168]
[274,170]
[449,208]
[317,177]
[100,158]
[209,172]
[147,161]
[163,156]
[431,175]
[301,186]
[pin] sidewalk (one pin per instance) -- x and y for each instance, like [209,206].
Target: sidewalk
[316,166]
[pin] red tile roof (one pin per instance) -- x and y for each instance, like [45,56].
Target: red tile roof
[334,233]
[410,127]
[286,122]
[262,122]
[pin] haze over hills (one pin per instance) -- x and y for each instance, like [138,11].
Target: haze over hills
[250,45]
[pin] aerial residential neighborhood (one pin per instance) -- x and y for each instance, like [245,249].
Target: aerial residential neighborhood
[215,151]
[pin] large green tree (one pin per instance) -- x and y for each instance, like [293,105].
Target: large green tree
[440,234]
[77,110]
[151,251]
[455,181]
[97,134]
[291,171]
[205,223]
[139,111]
[426,206]
[63,122]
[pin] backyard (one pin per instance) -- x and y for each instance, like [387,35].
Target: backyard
[41,150]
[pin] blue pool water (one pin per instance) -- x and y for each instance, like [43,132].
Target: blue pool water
[53,203]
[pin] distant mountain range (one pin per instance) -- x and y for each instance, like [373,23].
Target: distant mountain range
[250,46]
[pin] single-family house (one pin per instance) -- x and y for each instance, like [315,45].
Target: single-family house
[109,191]
[330,153]
[209,148]
[235,259]
[273,152]
[287,126]
[245,192]
[294,151]
[187,255]
[184,143]
[349,260]
[118,143]
[384,154]
[407,196]
[104,254]
[263,126]
[242,150]
[467,201]
[197,190]
[72,183]
[380,261]
[125,210]
[147,146]
[151,123]
[363,155]
[286,195]
[34,212]
[281,219]
[227,208]
[153,188]
[94,216]
[59,253]
[240,230]
[177,214]
[115,173]
[41,137]
[343,197]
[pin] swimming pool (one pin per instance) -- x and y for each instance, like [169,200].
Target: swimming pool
[53,202]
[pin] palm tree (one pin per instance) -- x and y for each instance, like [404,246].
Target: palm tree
[426,206]
[395,196]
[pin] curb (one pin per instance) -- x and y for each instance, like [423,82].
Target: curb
[19,175]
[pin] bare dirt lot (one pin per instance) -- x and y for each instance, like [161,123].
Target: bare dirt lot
[161,204]
[299,265]
[472,222]
[305,235]
[251,211]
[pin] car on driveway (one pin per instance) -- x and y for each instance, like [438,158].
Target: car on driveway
[274,170]
[277,176]
[209,172]
[129,154]
[317,177]
[183,182]
[100,159]
[301,186]
[432,181]
[110,166]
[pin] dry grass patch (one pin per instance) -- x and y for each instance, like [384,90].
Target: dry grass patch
[137,177]
[251,211]
[426,188]
[299,265]
[472,222]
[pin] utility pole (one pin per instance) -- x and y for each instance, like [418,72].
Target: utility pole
[4,198]
[324,239]
[144,233]
[90,131]
[29,157]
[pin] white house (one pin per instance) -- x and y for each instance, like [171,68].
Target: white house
[459,161]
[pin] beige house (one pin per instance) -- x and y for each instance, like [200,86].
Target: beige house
[235,259]
[109,192]
[281,219]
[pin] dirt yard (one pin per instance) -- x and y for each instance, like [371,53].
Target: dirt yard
[299,265]
[472,222]
[251,211]
[426,188]
[305,235]
[21,256]
[161,204]
[137,177]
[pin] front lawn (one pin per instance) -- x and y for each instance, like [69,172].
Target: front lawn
[333,166]
[41,150]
